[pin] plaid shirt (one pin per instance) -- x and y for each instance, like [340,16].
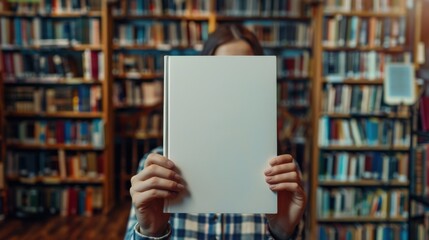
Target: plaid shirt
[206,226]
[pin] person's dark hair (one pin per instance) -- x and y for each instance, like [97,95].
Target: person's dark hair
[228,33]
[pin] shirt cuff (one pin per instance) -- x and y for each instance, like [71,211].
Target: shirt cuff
[138,235]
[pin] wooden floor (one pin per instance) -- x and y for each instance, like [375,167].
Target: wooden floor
[110,226]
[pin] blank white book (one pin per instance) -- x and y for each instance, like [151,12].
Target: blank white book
[220,130]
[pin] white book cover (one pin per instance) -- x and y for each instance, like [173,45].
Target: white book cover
[220,130]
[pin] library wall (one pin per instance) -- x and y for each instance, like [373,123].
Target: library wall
[82,86]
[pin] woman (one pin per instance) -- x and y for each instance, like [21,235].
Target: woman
[158,179]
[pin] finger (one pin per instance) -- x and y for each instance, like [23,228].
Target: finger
[281,159]
[160,160]
[284,177]
[140,198]
[279,169]
[157,183]
[157,171]
[285,186]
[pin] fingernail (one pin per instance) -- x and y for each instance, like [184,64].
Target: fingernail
[272,187]
[178,177]
[170,164]
[180,186]
[268,171]
[268,179]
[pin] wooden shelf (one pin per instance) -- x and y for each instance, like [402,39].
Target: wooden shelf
[152,48]
[149,107]
[51,15]
[140,136]
[353,220]
[295,107]
[141,77]
[54,180]
[72,47]
[366,14]
[365,49]
[52,81]
[365,115]
[82,47]
[78,115]
[365,148]
[161,17]
[53,147]
[282,47]
[63,46]
[264,18]
[362,183]
[297,79]
[356,81]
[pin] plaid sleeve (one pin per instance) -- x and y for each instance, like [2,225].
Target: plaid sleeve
[130,233]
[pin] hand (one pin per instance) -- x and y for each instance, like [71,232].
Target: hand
[159,180]
[284,177]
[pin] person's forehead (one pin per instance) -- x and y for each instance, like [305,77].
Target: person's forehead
[238,47]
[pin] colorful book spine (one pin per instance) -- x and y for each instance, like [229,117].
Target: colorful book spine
[69,201]
[363,132]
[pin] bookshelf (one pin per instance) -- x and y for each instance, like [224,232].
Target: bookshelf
[419,200]
[56,80]
[284,31]
[143,34]
[419,156]
[360,148]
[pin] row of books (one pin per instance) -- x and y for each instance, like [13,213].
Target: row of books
[76,132]
[384,6]
[79,98]
[364,132]
[141,125]
[341,31]
[344,166]
[264,8]
[50,6]
[69,201]
[354,99]
[366,231]
[294,64]
[352,202]
[161,7]
[419,230]
[134,93]
[290,128]
[45,32]
[52,67]
[418,209]
[281,33]
[161,34]
[131,65]
[341,65]
[421,170]
[293,93]
[52,167]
